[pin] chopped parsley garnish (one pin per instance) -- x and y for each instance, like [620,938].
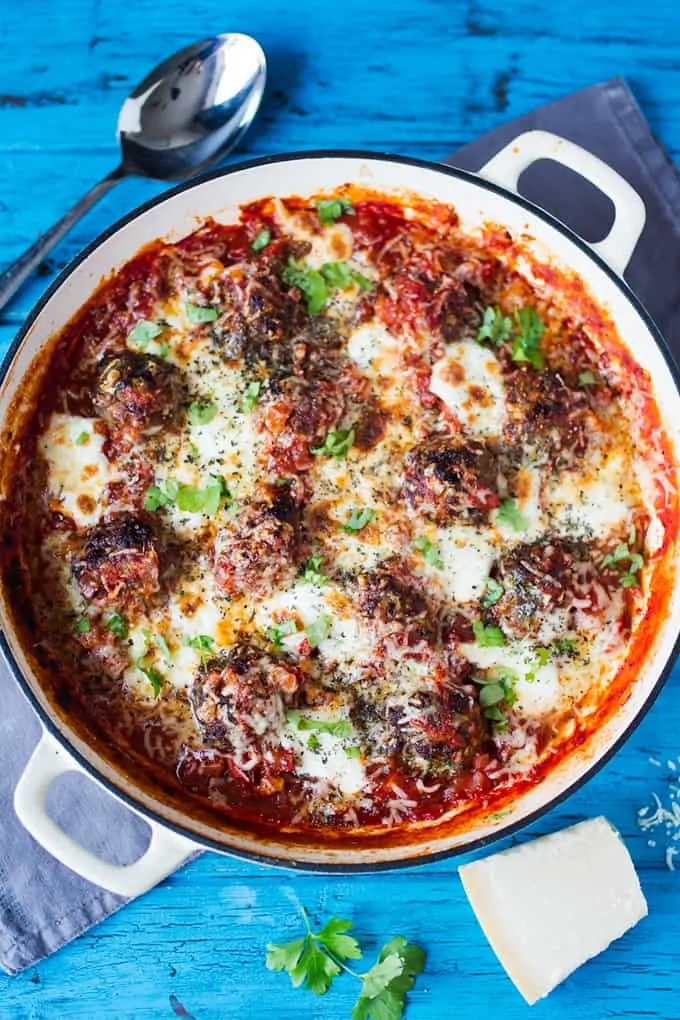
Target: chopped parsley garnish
[188,498]
[633,561]
[144,332]
[319,629]
[312,573]
[309,282]
[492,593]
[163,349]
[277,633]
[82,438]
[337,728]
[155,678]
[203,644]
[336,444]
[198,314]
[162,646]
[587,378]
[358,519]
[526,347]
[430,552]
[118,626]
[331,209]
[511,516]
[155,498]
[340,276]
[83,625]
[497,689]
[495,327]
[337,275]
[542,655]
[251,396]
[201,412]
[262,239]
[313,742]
[488,637]
[564,646]
[315,960]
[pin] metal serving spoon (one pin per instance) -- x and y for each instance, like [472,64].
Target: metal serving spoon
[186,115]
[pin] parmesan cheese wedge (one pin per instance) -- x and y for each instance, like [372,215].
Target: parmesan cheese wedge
[548,906]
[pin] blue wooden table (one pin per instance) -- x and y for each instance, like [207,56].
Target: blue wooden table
[418,78]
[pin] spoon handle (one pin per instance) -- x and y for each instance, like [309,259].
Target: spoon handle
[19,271]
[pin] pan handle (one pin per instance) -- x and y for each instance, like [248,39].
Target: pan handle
[618,246]
[166,851]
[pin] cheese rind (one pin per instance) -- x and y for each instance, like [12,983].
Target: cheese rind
[550,905]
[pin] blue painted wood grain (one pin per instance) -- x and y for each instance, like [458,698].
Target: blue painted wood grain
[417,78]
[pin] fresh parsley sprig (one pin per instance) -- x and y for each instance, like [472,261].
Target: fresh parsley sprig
[526,346]
[488,636]
[358,519]
[312,573]
[430,552]
[633,561]
[495,327]
[510,515]
[315,960]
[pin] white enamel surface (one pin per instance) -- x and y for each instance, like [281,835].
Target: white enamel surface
[220,198]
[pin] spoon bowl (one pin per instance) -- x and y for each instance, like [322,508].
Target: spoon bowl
[193,108]
[184,117]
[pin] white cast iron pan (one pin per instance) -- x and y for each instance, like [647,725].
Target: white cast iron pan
[178,830]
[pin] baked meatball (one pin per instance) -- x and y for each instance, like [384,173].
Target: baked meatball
[254,553]
[299,420]
[119,564]
[536,579]
[240,703]
[545,416]
[449,478]
[137,391]
[390,594]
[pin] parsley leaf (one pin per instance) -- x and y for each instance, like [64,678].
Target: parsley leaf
[201,412]
[251,396]
[624,555]
[337,275]
[511,516]
[117,625]
[336,444]
[313,742]
[488,637]
[155,678]
[309,282]
[526,346]
[497,689]
[82,438]
[262,239]
[318,958]
[319,629]
[495,327]
[202,643]
[542,655]
[198,314]
[331,209]
[358,519]
[587,378]
[385,985]
[83,625]
[493,593]
[312,572]
[307,961]
[430,552]
[155,498]
[144,331]
[337,727]
[362,282]
[281,630]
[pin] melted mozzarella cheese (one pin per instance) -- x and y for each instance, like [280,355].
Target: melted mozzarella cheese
[327,757]
[467,555]
[541,693]
[349,639]
[468,380]
[78,470]
[370,345]
[596,500]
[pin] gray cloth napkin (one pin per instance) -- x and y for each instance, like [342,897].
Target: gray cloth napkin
[43,904]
